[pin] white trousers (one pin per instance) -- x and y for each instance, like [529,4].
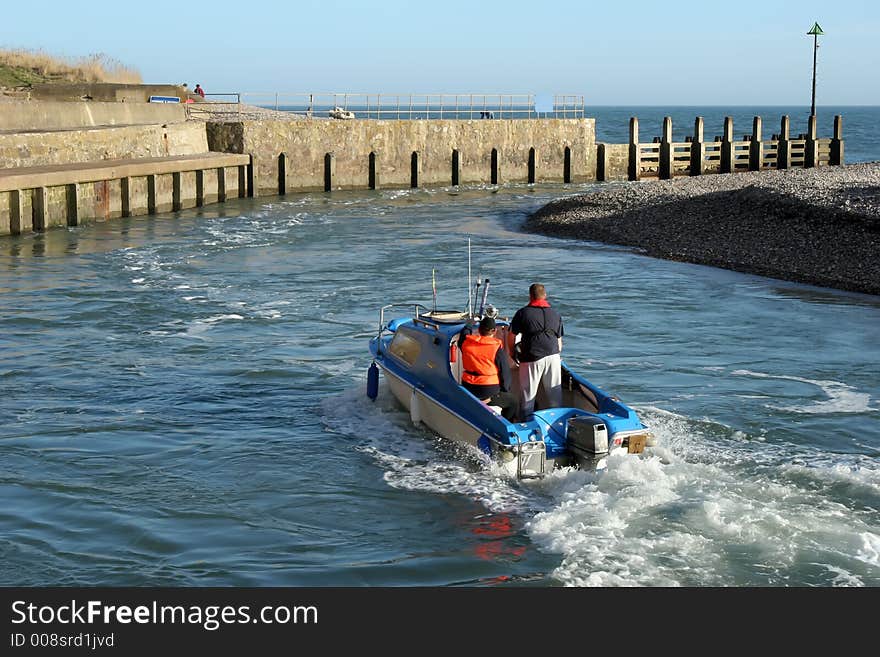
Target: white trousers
[547,373]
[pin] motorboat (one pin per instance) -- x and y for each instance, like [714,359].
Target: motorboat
[340,113]
[417,353]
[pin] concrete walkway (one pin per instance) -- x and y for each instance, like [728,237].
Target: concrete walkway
[54,175]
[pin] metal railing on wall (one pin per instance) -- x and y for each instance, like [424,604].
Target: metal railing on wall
[228,103]
[404,106]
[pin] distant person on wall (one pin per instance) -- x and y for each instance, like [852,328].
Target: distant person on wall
[199,90]
[540,362]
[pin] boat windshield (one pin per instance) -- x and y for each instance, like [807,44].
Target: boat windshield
[445,316]
[405,346]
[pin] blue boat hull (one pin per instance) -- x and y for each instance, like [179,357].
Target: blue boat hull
[417,356]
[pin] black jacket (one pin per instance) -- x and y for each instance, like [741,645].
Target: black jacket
[540,327]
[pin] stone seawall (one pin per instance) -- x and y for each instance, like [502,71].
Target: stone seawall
[30,149]
[815,226]
[40,203]
[363,154]
[22,116]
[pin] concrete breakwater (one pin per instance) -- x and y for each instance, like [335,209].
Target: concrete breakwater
[76,162]
[59,167]
[312,155]
[814,226]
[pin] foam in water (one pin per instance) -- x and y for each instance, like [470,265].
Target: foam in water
[869,550]
[413,458]
[841,398]
[700,522]
[695,511]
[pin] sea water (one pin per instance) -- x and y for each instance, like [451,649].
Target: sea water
[183,403]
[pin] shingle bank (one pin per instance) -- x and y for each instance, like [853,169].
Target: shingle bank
[817,226]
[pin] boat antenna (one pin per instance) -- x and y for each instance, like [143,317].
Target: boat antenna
[434,288]
[469,308]
[485,296]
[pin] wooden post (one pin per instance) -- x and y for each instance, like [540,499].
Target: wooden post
[72,204]
[566,164]
[601,162]
[102,198]
[698,148]
[16,209]
[125,193]
[837,142]
[783,147]
[756,146]
[329,170]
[252,190]
[666,149]
[151,194]
[373,173]
[221,184]
[282,174]
[200,187]
[634,167]
[243,180]
[414,168]
[531,165]
[727,146]
[176,200]
[39,203]
[811,150]
[456,166]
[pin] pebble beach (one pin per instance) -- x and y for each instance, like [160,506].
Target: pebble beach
[816,226]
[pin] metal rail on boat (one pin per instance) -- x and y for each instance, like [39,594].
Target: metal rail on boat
[414,306]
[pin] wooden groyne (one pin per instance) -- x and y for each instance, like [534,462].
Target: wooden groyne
[664,158]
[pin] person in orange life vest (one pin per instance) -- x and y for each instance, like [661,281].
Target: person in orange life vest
[485,372]
[540,362]
[199,90]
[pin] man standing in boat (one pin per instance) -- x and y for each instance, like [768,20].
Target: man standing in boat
[540,362]
[485,372]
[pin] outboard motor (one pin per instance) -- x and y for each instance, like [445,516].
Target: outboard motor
[586,437]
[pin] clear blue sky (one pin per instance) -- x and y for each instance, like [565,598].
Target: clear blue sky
[614,52]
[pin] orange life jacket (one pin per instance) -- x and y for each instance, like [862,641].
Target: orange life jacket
[478,360]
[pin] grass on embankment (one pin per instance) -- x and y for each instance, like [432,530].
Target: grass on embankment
[24,68]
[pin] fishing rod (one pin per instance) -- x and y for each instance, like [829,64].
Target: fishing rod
[485,296]
[476,293]
[469,308]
